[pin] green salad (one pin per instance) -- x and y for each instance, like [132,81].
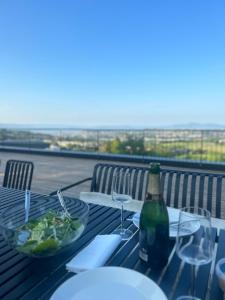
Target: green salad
[48,234]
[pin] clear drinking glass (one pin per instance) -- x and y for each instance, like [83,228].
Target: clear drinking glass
[121,192]
[194,244]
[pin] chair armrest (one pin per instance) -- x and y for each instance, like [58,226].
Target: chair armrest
[70,186]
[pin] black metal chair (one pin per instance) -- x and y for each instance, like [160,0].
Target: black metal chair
[179,188]
[192,188]
[18,174]
[101,181]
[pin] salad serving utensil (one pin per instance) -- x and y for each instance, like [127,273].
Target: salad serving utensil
[27,205]
[62,202]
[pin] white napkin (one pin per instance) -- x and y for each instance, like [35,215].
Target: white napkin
[95,254]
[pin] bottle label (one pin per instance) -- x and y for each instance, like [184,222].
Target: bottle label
[154,187]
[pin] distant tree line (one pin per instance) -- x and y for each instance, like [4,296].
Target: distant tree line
[130,145]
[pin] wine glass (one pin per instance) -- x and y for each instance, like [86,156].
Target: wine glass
[194,243]
[121,190]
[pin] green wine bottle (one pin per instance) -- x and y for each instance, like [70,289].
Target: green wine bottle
[154,223]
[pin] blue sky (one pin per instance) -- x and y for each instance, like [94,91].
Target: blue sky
[114,62]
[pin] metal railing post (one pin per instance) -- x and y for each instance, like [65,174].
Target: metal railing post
[201,147]
[98,144]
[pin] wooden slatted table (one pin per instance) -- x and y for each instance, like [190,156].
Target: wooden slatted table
[25,278]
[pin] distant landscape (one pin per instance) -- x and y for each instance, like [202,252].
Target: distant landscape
[40,126]
[191,144]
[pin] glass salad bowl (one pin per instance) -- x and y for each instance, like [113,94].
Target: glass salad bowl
[49,229]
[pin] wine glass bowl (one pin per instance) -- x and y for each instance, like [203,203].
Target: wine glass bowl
[48,230]
[121,192]
[195,247]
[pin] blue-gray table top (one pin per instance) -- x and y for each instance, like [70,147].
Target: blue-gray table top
[22,277]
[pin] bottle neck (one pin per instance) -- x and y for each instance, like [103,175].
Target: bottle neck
[154,187]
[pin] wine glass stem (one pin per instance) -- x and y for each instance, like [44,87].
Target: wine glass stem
[193,280]
[121,217]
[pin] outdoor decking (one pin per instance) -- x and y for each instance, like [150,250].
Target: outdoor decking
[52,172]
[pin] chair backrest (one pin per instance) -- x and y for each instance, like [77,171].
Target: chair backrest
[18,174]
[103,175]
[179,188]
[192,188]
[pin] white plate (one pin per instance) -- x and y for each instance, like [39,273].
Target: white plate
[109,283]
[173,217]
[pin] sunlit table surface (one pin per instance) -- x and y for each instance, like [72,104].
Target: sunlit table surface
[134,205]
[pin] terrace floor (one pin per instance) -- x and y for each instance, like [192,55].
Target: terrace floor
[51,172]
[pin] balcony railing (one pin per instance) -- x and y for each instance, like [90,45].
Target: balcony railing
[193,145]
